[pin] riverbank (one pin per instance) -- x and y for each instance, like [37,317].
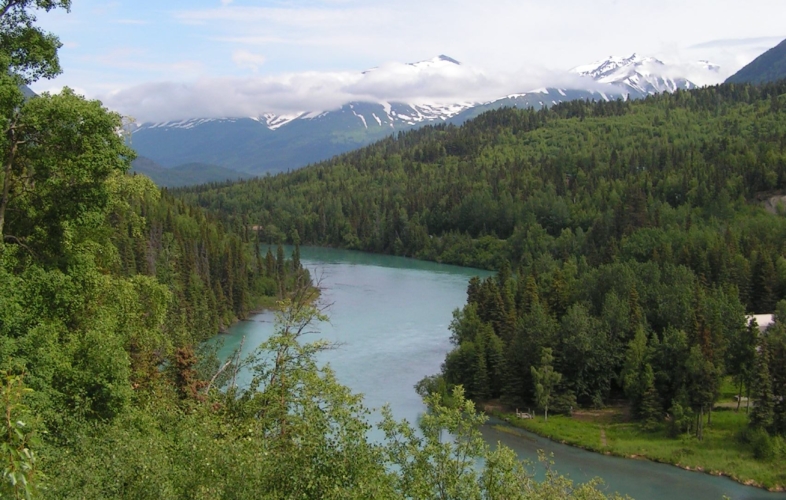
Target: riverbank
[608,431]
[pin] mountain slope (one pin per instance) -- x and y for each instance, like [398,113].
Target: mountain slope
[275,143]
[184,175]
[768,67]
[535,99]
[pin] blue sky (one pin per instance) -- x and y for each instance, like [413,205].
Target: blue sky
[119,50]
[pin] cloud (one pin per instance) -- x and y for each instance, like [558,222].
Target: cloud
[436,81]
[732,54]
[762,41]
[430,82]
[246,59]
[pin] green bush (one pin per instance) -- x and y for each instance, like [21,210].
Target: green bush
[764,446]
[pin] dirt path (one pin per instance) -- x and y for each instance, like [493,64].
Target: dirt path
[603,438]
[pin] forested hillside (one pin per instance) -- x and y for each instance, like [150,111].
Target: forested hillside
[599,181]
[768,67]
[630,239]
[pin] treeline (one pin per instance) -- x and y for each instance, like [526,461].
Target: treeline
[630,237]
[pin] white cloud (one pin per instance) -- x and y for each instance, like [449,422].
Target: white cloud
[436,81]
[246,59]
[433,82]
[495,34]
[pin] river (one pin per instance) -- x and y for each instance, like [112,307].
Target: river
[390,316]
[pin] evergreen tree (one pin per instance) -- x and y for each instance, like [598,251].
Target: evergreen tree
[762,414]
[637,376]
[650,408]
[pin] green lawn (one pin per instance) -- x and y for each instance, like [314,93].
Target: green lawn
[721,451]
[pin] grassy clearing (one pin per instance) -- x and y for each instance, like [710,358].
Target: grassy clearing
[722,452]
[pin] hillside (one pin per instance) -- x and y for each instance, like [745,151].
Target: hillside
[768,67]
[184,175]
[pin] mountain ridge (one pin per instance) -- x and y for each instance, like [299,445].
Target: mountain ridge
[768,67]
[184,175]
[275,142]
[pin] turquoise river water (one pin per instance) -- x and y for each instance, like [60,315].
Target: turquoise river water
[391,317]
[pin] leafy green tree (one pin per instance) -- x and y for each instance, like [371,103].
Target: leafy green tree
[432,465]
[546,380]
[59,156]
[27,54]
[742,354]
[21,477]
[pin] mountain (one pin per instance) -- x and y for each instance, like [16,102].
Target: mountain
[275,142]
[536,99]
[184,175]
[640,76]
[768,67]
[27,91]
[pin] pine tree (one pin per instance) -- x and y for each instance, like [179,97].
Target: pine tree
[530,294]
[651,410]
[270,264]
[480,381]
[281,270]
[763,410]
[296,252]
[473,290]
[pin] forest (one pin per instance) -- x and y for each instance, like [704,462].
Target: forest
[631,241]
[109,289]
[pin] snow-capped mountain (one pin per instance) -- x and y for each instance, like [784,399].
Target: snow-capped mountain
[390,115]
[272,142]
[642,76]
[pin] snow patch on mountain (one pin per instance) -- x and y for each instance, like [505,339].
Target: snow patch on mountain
[441,61]
[183,124]
[643,75]
[274,121]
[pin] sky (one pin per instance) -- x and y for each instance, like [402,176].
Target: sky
[158,60]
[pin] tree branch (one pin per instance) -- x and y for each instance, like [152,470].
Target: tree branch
[18,241]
